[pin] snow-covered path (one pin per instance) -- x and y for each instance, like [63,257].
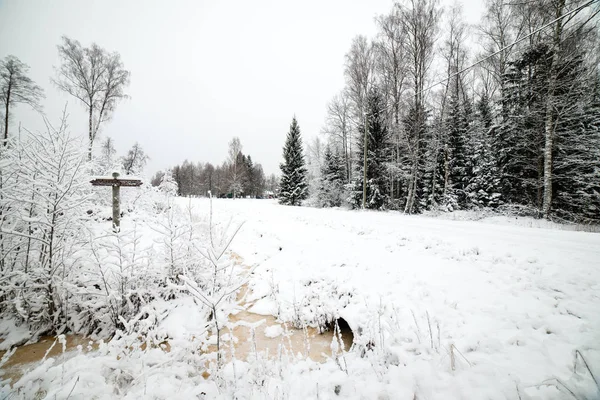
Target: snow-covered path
[515,301]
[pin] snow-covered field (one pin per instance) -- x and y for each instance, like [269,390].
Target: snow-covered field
[440,309]
[516,302]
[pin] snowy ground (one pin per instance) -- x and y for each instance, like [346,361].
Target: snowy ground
[440,309]
[516,302]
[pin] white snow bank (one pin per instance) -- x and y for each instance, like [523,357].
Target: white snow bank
[12,335]
[273,331]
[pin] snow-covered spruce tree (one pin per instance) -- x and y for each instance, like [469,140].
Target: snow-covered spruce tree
[522,135]
[435,166]
[518,139]
[576,171]
[417,130]
[378,156]
[456,177]
[293,187]
[48,202]
[331,186]
[483,189]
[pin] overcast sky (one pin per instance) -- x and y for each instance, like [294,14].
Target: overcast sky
[202,72]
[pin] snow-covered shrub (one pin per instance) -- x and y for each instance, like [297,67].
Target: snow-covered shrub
[318,305]
[43,202]
[209,275]
[168,185]
[63,268]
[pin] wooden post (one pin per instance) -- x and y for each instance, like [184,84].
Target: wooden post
[116,184]
[116,203]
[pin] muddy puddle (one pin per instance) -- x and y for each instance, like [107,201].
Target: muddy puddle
[250,333]
[253,333]
[48,346]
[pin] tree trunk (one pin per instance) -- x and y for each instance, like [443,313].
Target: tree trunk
[446,170]
[549,123]
[365,146]
[412,187]
[91,133]
[6,113]
[346,155]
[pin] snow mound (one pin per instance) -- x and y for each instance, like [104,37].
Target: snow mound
[273,331]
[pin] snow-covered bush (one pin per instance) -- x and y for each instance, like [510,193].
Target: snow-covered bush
[208,274]
[43,200]
[63,268]
[168,185]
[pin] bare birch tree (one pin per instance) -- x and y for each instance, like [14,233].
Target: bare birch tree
[499,28]
[359,71]
[391,71]
[16,87]
[95,77]
[338,128]
[420,19]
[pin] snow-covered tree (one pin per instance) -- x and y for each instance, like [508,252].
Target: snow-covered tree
[135,160]
[236,168]
[44,222]
[483,189]
[167,184]
[576,173]
[456,177]
[95,77]
[333,174]
[314,164]
[293,187]
[377,157]
[107,162]
[518,137]
[16,87]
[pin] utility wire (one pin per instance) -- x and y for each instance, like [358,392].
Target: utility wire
[576,10]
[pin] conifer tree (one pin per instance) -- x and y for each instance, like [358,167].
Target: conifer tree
[483,189]
[293,186]
[417,131]
[378,156]
[518,140]
[456,174]
[333,174]
[577,154]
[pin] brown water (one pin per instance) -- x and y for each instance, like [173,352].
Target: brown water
[304,343]
[32,353]
[307,342]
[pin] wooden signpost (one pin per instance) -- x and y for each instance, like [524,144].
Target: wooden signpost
[116,184]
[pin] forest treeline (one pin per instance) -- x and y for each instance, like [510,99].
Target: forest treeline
[521,129]
[237,176]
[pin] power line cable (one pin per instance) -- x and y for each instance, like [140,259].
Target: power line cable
[576,10]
